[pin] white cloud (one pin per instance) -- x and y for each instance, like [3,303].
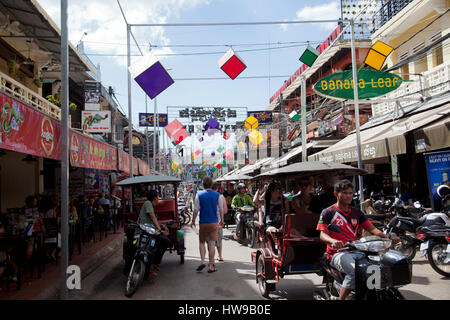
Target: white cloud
[103,22]
[328,11]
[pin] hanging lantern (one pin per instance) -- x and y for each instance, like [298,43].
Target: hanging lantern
[255,137]
[232,64]
[251,123]
[309,56]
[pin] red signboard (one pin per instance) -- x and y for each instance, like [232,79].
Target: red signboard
[143,168]
[86,152]
[25,130]
[124,161]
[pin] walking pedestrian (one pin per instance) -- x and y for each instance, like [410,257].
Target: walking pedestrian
[206,203]
[220,215]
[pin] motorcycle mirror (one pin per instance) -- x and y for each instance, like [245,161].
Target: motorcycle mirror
[417,205]
[334,228]
[371,194]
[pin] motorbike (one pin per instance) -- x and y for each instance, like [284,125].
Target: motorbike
[406,229]
[394,271]
[436,245]
[245,228]
[139,253]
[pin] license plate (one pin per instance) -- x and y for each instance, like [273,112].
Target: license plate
[424,246]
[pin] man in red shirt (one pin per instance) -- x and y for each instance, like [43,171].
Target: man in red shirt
[349,219]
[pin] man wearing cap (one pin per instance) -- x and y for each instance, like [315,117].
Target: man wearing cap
[242,199]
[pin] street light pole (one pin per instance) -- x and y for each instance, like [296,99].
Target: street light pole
[64,151]
[356,105]
[130,123]
[303,94]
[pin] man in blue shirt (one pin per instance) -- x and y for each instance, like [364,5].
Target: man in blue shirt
[206,203]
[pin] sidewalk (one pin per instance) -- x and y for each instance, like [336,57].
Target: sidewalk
[92,256]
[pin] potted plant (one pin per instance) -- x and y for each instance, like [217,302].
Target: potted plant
[37,82]
[13,66]
[56,99]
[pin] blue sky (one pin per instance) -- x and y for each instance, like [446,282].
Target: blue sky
[106,29]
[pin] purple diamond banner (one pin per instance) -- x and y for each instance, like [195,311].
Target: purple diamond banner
[151,76]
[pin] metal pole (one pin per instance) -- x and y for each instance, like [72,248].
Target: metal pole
[64,151]
[303,101]
[146,134]
[154,135]
[356,104]
[130,123]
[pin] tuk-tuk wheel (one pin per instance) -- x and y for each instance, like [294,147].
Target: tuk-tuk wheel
[264,287]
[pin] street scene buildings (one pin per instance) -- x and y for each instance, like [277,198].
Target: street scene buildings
[400,139]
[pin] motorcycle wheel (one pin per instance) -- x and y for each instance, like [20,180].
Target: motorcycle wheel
[409,251]
[135,277]
[251,237]
[437,253]
[264,287]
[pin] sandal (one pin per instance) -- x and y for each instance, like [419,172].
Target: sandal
[201,267]
[212,270]
[219,259]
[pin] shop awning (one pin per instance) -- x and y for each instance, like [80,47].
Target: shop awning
[249,169]
[433,136]
[380,141]
[283,160]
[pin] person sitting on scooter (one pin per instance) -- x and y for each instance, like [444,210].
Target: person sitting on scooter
[147,215]
[242,199]
[349,219]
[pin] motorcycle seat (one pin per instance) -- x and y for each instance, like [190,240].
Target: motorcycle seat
[379,217]
[415,221]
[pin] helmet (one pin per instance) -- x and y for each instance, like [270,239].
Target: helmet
[443,190]
[241,185]
[378,205]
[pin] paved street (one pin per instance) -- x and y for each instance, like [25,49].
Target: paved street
[234,280]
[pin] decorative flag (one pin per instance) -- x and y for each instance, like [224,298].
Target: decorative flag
[377,54]
[309,56]
[251,123]
[232,64]
[151,76]
[255,137]
[294,116]
[176,132]
[228,154]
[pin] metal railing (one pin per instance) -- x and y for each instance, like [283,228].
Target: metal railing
[28,96]
[387,12]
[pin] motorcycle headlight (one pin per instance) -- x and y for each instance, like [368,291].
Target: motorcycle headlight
[150,229]
[372,244]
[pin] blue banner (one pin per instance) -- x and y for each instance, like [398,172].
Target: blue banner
[438,169]
[146,119]
[262,116]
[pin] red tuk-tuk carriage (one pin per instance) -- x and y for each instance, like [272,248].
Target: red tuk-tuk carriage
[166,210]
[289,254]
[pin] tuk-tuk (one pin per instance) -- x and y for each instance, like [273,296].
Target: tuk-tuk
[166,210]
[286,253]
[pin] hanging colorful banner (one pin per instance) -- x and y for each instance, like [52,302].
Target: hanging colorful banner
[25,130]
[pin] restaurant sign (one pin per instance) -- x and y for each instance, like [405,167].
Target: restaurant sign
[371,83]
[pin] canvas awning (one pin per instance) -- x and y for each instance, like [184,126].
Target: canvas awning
[249,169]
[433,136]
[283,160]
[380,141]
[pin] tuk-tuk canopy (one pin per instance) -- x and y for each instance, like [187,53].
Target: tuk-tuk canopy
[149,179]
[312,168]
[234,177]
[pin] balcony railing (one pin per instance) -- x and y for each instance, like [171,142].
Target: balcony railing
[429,83]
[387,12]
[28,96]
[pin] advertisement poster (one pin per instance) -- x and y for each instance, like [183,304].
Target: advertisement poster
[92,94]
[96,121]
[438,169]
[96,181]
[146,120]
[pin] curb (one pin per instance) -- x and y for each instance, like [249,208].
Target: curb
[90,265]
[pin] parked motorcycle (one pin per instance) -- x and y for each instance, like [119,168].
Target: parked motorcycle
[406,229]
[139,253]
[245,229]
[394,271]
[436,245]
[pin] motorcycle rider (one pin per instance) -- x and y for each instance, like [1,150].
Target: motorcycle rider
[240,200]
[349,219]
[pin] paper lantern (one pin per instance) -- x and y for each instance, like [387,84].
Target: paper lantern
[223,162]
[241,144]
[218,165]
[226,136]
[251,123]
[151,76]
[294,116]
[255,137]
[175,166]
[176,132]
[212,126]
[309,56]
[220,149]
[200,139]
[197,152]
[228,154]
[377,54]
[213,169]
[232,64]
[213,154]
